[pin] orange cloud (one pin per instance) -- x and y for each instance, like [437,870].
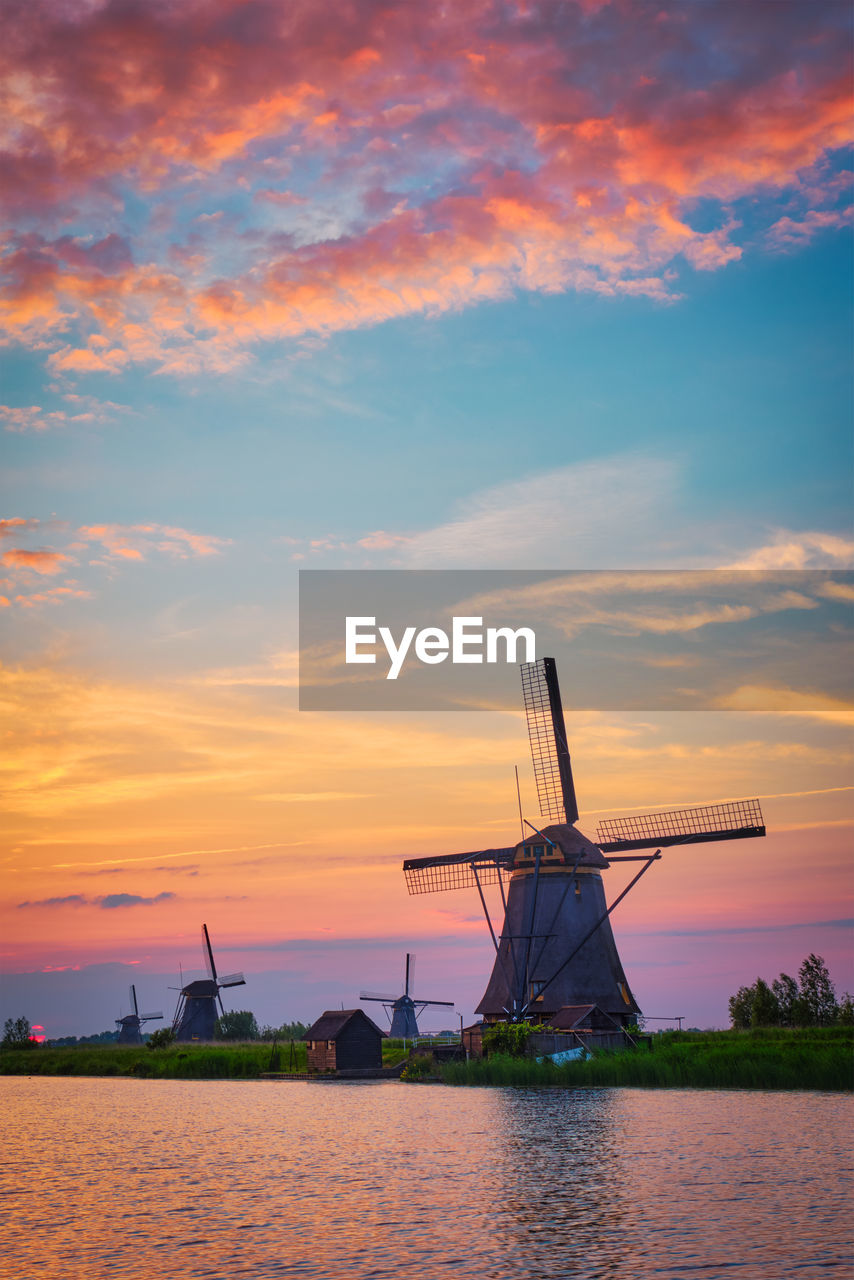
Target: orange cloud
[14,525]
[42,562]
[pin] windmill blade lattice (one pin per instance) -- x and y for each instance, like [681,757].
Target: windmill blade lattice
[547,736]
[735,820]
[232,980]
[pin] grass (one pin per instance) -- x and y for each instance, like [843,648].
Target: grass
[241,1060]
[220,1061]
[769,1058]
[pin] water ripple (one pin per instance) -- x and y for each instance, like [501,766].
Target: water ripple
[222,1179]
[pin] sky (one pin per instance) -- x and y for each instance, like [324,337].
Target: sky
[547,286]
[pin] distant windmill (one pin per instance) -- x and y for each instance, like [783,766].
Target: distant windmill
[129,1026]
[196,1012]
[556,947]
[404,1010]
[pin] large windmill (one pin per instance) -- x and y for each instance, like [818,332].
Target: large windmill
[196,1013]
[404,1010]
[556,947]
[130,1025]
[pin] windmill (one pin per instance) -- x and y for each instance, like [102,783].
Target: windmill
[129,1026]
[196,1012]
[556,947]
[404,1010]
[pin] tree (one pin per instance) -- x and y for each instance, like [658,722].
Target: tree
[741,1008]
[787,995]
[17,1034]
[287,1031]
[238,1025]
[764,1010]
[845,1012]
[817,991]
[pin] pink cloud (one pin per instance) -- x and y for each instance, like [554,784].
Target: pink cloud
[34,418]
[398,160]
[382,541]
[137,541]
[792,233]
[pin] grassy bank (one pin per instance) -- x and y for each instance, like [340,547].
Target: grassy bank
[245,1060]
[231,1061]
[814,1058]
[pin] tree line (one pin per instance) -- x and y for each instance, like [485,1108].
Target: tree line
[240,1024]
[808,1001]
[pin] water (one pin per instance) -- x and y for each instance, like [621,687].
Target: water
[161,1178]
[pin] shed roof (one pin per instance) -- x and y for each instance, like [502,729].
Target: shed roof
[331,1023]
[572,1015]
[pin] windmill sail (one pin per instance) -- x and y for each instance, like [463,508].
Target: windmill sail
[736,820]
[457,870]
[232,980]
[207,950]
[547,736]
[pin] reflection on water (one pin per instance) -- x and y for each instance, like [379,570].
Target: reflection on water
[376,1179]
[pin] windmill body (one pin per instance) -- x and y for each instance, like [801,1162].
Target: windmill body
[197,1012]
[404,1020]
[548,913]
[555,947]
[130,1026]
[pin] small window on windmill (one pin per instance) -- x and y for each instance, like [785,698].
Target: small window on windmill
[578,888]
[536,990]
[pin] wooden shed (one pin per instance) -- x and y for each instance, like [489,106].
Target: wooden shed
[472,1038]
[344,1040]
[578,1024]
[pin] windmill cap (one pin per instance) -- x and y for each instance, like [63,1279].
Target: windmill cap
[201,988]
[571,843]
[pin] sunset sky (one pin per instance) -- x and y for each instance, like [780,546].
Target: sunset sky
[545,286]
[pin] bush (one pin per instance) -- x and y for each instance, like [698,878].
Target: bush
[509,1038]
[161,1039]
[419,1067]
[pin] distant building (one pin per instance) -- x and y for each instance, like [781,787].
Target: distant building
[344,1040]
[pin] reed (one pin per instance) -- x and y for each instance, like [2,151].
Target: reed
[821,1058]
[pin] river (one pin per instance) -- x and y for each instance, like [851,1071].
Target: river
[225,1179]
